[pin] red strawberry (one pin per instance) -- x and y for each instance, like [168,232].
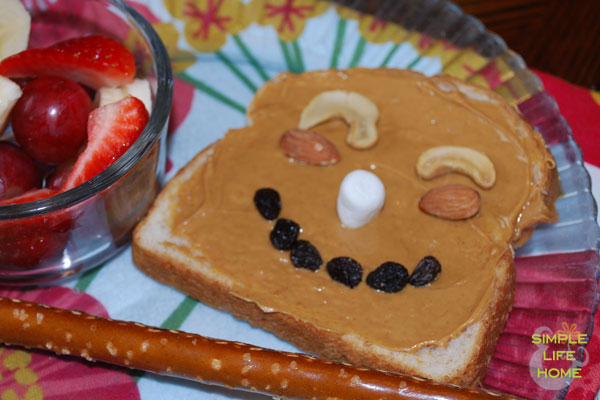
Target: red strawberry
[28,242]
[112,129]
[31,195]
[95,61]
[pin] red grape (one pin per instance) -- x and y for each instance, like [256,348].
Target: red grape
[59,176]
[49,121]
[18,172]
[27,242]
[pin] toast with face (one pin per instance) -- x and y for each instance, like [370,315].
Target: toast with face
[406,266]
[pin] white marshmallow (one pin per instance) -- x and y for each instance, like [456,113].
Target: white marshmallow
[360,198]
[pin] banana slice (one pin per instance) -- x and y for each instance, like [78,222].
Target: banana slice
[9,94]
[139,88]
[464,160]
[358,111]
[15,24]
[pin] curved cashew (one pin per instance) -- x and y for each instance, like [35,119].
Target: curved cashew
[464,160]
[358,111]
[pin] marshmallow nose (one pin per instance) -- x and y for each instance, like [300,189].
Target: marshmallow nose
[360,198]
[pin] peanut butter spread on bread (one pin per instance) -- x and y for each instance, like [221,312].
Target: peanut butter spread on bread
[214,219]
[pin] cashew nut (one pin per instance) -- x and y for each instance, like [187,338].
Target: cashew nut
[358,111]
[464,160]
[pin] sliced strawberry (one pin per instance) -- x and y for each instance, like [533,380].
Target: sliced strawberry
[95,61]
[31,195]
[30,241]
[112,129]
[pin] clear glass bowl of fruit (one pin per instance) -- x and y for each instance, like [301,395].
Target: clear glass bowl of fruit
[85,95]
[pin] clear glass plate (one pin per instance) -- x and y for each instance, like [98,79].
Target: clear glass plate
[557,269]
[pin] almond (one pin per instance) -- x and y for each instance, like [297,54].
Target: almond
[452,202]
[308,147]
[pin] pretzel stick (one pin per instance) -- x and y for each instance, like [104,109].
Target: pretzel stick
[230,364]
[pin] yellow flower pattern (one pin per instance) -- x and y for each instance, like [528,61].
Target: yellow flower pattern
[208,22]
[569,331]
[373,29]
[464,64]
[287,17]
[180,59]
[595,96]
[378,31]
[460,63]
[15,366]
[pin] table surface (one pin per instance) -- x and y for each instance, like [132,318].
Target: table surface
[556,36]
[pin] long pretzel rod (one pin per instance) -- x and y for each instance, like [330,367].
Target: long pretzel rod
[230,364]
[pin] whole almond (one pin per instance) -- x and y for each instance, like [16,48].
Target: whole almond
[452,202]
[308,147]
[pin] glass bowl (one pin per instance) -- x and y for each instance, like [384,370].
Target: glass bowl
[60,236]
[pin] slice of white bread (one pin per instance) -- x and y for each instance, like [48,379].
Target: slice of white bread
[161,254]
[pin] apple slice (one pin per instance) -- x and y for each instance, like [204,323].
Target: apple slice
[10,92]
[139,88]
[15,24]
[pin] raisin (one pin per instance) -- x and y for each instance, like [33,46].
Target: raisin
[426,272]
[268,203]
[284,234]
[389,277]
[305,255]
[345,270]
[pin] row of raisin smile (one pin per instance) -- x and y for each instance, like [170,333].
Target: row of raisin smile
[389,277]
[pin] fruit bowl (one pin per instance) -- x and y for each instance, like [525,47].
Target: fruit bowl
[45,239]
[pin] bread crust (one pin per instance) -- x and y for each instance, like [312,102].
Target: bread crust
[327,344]
[157,261]
[155,258]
